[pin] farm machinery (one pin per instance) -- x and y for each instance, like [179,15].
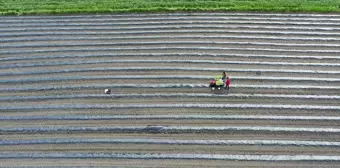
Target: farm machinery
[217,83]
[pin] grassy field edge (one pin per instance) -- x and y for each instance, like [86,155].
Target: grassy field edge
[33,7]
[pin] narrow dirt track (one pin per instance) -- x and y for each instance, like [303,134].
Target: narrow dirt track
[283,104]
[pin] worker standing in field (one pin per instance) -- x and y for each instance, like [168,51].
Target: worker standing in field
[224,78]
[227,83]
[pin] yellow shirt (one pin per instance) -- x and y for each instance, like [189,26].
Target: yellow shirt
[219,82]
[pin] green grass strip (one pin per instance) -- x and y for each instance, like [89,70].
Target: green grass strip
[25,7]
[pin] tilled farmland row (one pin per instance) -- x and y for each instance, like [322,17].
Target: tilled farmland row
[282,109]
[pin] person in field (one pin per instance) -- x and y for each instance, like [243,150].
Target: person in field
[227,83]
[224,78]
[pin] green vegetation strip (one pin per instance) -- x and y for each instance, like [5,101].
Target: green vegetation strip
[21,7]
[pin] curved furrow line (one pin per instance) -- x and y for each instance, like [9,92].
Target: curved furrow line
[172,117]
[171,22]
[165,21]
[170,95]
[161,77]
[222,37]
[321,57]
[104,86]
[160,86]
[144,32]
[138,69]
[147,24]
[156,15]
[73,155]
[165,129]
[148,43]
[63,167]
[113,18]
[176,26]
[153,49]
[7,66]
[172,142]
[131,106]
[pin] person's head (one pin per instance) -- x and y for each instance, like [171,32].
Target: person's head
[227,77]
[224,73]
